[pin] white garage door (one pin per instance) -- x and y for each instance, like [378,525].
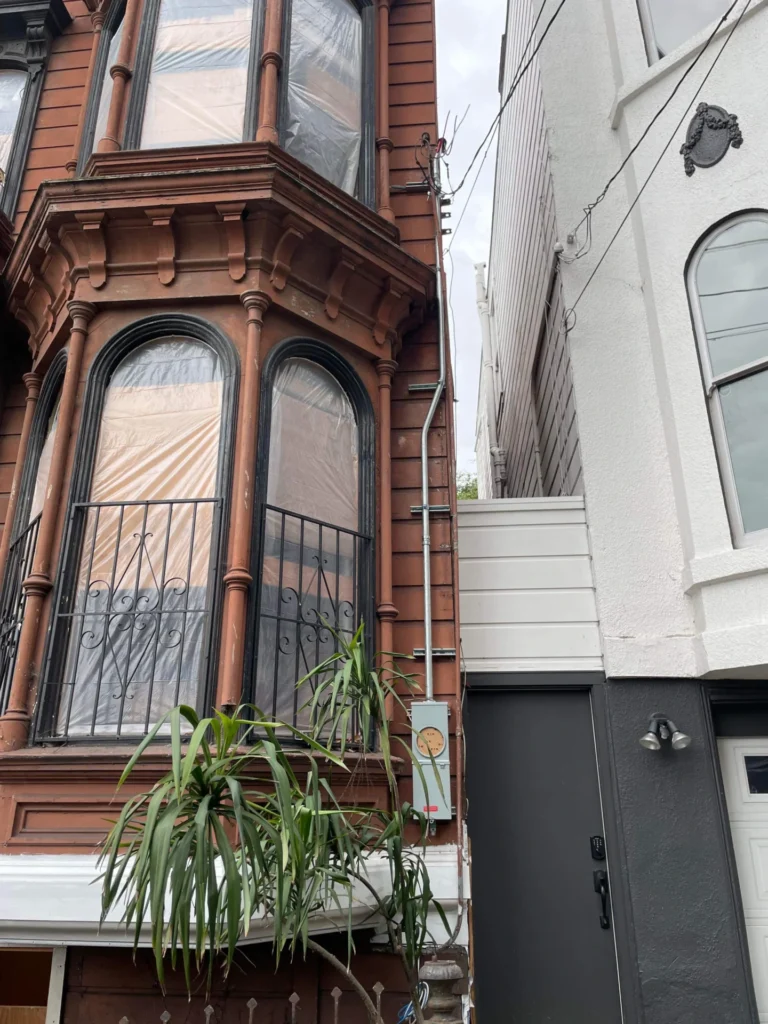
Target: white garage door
[745,775]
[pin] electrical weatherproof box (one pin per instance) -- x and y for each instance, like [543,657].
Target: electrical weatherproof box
[430,747]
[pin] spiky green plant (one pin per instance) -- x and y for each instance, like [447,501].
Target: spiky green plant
[232,831]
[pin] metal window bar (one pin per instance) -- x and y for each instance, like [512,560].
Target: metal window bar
[314,578]
[12,601]
[132,624]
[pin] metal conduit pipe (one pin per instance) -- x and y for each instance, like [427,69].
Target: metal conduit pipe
[425,531]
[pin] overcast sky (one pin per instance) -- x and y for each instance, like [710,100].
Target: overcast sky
[468,48]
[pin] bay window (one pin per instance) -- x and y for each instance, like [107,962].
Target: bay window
[315,549]
[24,528]
[137,591]
[323,121]
[728,284]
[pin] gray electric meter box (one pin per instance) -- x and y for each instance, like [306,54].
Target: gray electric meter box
[430,747]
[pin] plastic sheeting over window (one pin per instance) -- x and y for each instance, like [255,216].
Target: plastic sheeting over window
[311,550]
[12,86]
[141,618]
[107,84]
[44,465]
[324,95]
[199,77]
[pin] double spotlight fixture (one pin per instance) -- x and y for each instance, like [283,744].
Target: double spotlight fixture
[661,729]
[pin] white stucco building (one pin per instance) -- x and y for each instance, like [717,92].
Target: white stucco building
[626,366]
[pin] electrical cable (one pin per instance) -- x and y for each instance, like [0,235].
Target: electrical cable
[588,209]
[512,89]
[471,191]
[636,200]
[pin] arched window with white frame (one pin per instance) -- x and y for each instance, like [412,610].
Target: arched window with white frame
[728,286]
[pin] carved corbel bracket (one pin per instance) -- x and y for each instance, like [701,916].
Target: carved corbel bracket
[294,231]
[54,249]
[93,230]
[392,306]
[232,215]
[166,243]
[346,266]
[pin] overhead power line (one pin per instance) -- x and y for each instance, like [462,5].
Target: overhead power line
[589,209]
[671,139]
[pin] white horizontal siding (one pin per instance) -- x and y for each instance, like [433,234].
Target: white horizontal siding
[527,592]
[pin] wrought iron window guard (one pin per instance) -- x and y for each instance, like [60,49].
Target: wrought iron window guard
[132,619]
[316,586]
[21,554]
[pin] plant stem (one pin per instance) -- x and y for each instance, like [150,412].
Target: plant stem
[345,971]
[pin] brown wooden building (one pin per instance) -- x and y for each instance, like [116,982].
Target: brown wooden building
[220,344]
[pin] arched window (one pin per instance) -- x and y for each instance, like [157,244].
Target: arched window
[12,87]
[728,282]
[325,102]
[196,74]
[315,567]
[668,25]
[138,588]
[24,528]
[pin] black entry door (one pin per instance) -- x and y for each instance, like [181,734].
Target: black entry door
[541,954]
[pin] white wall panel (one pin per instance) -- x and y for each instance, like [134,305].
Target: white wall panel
[527,596]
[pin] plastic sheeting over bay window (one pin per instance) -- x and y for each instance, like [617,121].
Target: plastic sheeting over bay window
[198,83]
[324,92]
[139,625]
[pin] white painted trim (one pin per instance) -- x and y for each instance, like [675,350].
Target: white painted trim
[55,900]
[56,986]
[521,504]
[737,563]
[627,93]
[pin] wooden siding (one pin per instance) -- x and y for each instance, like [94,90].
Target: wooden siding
[554,404]
[59,109]
[412,111]
[521,270]
[527,593]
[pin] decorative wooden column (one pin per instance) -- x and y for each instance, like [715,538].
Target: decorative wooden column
[271,62]
[14,725]
[33,383]
[383,141]
[386,611]
[97,20]
[121,73]
[238,580]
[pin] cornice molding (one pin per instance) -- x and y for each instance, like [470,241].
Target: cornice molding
[271,209]
[52,13]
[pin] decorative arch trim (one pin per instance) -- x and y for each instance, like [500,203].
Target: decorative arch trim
[325,356]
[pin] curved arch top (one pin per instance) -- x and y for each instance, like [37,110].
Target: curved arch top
[152,328]
[727,280]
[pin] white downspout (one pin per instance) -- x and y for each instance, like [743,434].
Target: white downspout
[498,455]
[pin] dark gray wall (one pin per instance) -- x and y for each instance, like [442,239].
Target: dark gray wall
[691,961]
[679,933]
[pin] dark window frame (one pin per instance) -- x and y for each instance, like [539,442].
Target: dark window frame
[152,328]
[112,23]
[145,50]
[26,30]
[46,403]
[328,358]
[366,176]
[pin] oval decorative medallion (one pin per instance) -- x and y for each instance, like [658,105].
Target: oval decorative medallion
[711,133]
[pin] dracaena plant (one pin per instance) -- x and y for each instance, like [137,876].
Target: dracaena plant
[238,829]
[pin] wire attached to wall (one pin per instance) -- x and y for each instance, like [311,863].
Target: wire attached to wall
[570,313]
[588,210]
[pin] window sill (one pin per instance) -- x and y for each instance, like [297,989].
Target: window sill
[738,563]
[660,69]
[103,765]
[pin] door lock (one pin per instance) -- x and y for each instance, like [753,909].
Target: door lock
[601,888]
